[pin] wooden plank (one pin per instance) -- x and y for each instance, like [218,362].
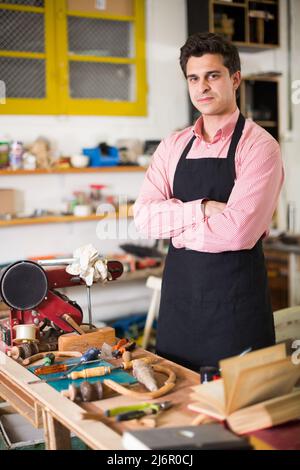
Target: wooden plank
[22,408]
[59,437]
[90,169]
[60,219]
[141,274]
[75,342]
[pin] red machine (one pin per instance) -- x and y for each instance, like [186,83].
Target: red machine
[30,292]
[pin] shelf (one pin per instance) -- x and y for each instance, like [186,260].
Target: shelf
[141,274]
[122,213]
[103,169]
[267,2]
[242,24]
[253,46]
[267,123]
[229,4]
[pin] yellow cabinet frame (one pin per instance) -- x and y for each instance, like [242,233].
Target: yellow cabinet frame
[57,58]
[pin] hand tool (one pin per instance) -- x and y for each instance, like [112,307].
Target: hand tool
[127,413]
[85,392]
[38,356]
[92,372]
[55,368]
[90,355]
[122,346]
[48,360]
[73,324]
[105,370]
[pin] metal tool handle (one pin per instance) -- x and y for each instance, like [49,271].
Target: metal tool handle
[56,261]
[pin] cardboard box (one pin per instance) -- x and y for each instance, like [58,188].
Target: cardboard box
[113,7]
[16,433]
[11,201]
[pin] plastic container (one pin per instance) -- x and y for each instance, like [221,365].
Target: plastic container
[4,154]
[16,155]
[97,158]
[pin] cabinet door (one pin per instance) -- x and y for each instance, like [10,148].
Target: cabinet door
[73,57]
[101,57]
[27,57]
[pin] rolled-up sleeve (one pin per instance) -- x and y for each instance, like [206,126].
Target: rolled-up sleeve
[157,214]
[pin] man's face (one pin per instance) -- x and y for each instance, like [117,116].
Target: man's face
[211,88]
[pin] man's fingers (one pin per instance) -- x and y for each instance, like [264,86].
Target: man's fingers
[214,207]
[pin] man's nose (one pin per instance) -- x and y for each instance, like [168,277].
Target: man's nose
[203,86]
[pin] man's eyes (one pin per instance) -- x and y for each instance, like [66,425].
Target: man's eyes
[211,76]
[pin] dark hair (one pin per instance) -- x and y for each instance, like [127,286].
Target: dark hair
[209,43]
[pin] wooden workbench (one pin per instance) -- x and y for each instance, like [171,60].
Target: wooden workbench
[44,407]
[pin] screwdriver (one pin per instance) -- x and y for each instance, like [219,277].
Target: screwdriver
[55,368]
[93,372]
[89,356]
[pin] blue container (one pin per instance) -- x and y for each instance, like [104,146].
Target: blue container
[98,159]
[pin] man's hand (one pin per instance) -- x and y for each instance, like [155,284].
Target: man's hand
[213,208]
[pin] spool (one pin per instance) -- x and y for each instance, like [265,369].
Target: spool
[85,392]
[26,350]
[25,333]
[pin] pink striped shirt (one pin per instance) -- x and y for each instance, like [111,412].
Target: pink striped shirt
[252,202]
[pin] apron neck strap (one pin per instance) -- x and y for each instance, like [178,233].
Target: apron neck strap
[237,133]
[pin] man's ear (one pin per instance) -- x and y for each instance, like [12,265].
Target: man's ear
[236,78]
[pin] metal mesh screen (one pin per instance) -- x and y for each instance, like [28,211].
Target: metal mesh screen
[33,3]
[97,80]
[21,31]
[100,37]
[24,78]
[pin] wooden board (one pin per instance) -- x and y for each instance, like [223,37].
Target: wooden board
[75,342]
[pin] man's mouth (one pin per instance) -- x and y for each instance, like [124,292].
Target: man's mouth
[205,99]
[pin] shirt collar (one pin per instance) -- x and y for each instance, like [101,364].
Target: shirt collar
[225,131]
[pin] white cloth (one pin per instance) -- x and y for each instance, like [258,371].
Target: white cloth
[88,265]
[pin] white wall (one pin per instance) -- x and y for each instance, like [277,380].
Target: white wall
[167,104]
[167,110]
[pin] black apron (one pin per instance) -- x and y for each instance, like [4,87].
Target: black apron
[213,305]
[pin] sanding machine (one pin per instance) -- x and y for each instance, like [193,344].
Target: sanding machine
[29,289]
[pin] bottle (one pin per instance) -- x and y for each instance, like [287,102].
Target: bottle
[96,196]
[16,155]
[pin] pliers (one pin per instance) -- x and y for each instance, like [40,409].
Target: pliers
[123,345]
[125,413]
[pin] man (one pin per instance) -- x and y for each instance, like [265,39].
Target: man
[212,188]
